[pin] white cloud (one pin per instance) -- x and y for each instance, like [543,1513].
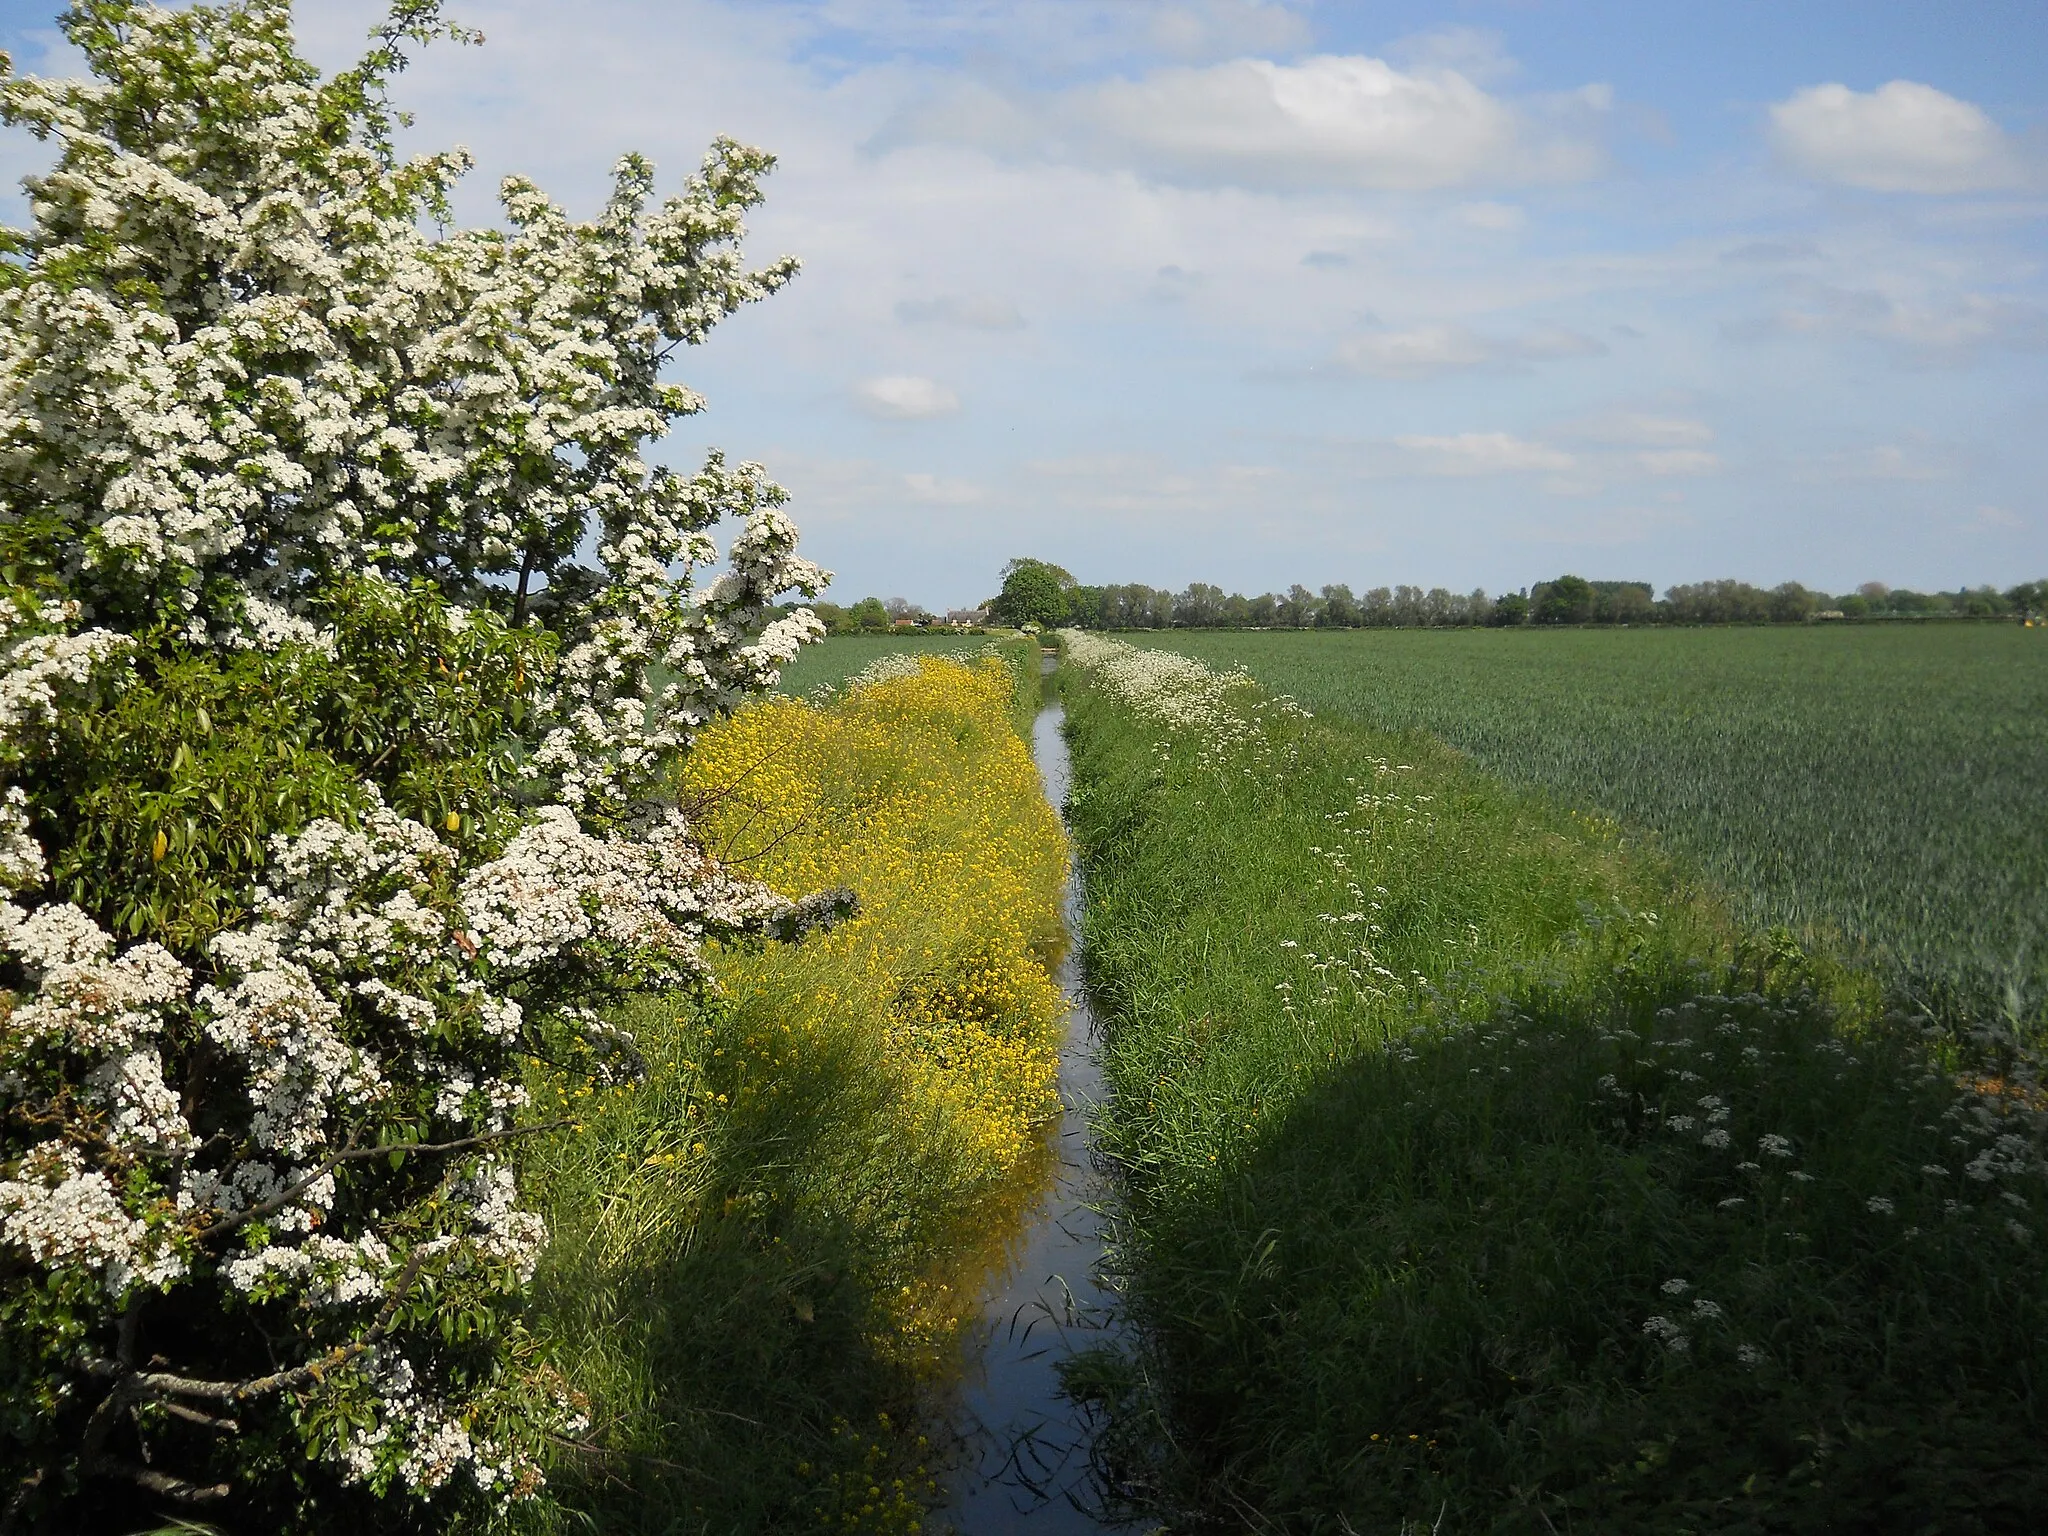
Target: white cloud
[1484,453]
[905,397]
[1330,121]
[969,312]
[1144,486]
[1678,461]
[1433,349]
[1901,137]
[1923,328]
[1170,284]
[1756,253]
[1219,28]
[1414,353]
[1608,528]
[1639,429]
[1477,53]
[1614,446]
[1888,461]
[2003,519]
[1500,218]
[1883,461]
[942,492]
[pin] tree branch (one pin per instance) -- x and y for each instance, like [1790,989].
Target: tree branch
[519,600]
[194,1416]
[160,1483]
[355,1154]
[160,1386]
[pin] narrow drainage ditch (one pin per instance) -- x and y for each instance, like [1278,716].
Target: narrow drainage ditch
[1028,1469]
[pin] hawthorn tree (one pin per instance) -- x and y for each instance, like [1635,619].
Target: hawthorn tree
[334,774]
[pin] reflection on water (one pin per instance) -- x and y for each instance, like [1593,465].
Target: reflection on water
[1028,1467]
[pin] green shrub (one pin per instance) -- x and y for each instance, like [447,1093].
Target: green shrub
[334,766]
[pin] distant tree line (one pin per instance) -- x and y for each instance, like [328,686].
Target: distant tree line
[870,615]
[1036,591]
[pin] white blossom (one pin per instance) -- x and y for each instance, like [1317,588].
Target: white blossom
[2008,1156]
[145,1114]
[22,862]
[60,1214]
[1669,1334]
[244,373]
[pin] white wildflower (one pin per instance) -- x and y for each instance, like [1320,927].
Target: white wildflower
[1669,1334]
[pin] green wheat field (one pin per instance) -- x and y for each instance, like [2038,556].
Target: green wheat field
[1883,787]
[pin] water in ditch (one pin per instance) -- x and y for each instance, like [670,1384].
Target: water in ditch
[1027,1468]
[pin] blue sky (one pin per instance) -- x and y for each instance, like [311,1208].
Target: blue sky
[1255,293]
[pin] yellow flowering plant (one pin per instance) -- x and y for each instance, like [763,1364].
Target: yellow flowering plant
[780,1228]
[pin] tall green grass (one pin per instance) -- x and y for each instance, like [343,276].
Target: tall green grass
[714,1285]
[759,1251]
[1481,1177]
[1886,786]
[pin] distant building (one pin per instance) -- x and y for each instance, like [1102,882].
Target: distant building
[967,618]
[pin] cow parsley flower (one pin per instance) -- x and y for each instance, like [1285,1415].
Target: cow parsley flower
[1669,1334]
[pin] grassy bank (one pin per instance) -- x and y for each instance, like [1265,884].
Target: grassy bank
[1481,1178]
[761,1251]
[1883,785]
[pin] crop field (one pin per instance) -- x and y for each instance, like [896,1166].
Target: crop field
[1479,1175]
[1884,785]
[831,662]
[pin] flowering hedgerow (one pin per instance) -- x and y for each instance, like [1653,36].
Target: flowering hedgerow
[342,660]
